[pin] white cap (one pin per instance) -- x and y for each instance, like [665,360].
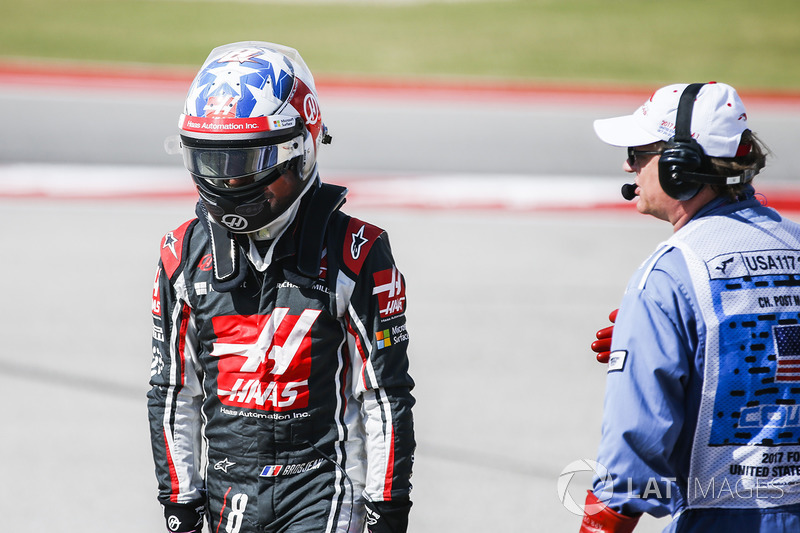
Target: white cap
[718,120]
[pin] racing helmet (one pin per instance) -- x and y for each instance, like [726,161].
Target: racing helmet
[251,113]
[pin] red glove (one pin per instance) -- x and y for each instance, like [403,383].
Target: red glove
[606,520]
[602,346]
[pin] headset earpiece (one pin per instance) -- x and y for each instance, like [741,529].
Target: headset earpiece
[677,159]
[682,154]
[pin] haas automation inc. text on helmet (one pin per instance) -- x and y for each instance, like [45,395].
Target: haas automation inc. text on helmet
[250,114]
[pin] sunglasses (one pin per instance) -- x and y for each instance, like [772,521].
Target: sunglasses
[635,156]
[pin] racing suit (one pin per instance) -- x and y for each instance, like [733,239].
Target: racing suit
[700,416]
[281,401]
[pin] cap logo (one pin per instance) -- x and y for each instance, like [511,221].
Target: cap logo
[717,122]
[666,128]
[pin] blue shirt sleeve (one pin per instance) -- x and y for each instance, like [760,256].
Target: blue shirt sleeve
[651,402]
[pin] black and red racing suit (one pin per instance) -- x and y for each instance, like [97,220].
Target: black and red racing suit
[284,403]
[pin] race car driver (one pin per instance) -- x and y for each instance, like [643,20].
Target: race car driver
[699,419]
[280,396]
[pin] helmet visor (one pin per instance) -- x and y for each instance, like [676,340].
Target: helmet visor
[214,163]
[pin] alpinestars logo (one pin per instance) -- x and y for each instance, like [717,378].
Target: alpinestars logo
[264,361]
[224,465]
[358,242]
[169,242]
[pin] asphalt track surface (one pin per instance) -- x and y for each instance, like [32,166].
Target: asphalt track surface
[510,233]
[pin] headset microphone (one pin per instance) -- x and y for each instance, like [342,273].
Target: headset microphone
[629,191]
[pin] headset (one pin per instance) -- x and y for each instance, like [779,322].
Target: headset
[681,164]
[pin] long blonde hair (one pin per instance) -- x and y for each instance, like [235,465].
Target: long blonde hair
[754,160]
